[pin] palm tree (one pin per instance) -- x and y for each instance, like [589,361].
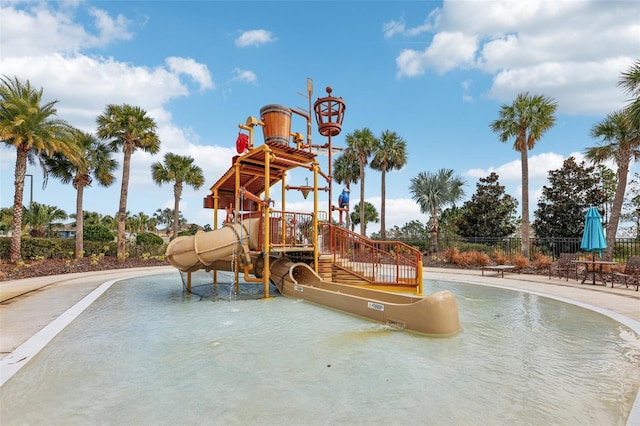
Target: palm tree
[630,82]
[526,119]
[95,163]
[164,217]
[346,171]
[389,154]
[41,219]
[130,128]
[620,143]
[32,129]
[433,192]
[180,170]
[370,215]
[361,143]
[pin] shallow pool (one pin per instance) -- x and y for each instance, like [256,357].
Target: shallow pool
[145,353]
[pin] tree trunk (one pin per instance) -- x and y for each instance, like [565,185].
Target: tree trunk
[15,254]
[525,201]
[383,194]
[122,209]
[79,223]
[177,193]
[363,228]
[433,232]
[616,207]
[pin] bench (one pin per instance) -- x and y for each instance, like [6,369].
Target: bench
[498,268]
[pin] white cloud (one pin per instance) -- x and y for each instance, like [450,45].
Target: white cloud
[199,72]
[539,166]
[579,88]
[244,76]
[573,51]
[255,38]
[109,29]
[41,29]
[392,28]
[446,51]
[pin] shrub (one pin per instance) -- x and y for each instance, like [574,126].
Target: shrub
[542,261]
[98,233]
[471,258]
[461,259]
[149,239]
[450,254]
[521,262]
[499,257]
[480,259]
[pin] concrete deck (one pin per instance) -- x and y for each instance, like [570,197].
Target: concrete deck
[28,306]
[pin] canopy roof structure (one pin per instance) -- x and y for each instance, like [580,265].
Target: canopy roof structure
[250,168]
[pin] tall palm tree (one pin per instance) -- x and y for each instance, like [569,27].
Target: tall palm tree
[361,143]
[620,142]
[30,126]
[630,82]
[180,170]
[526,119]
[95,163]
[389,154]
[346,171]
[433,192]
[128,128]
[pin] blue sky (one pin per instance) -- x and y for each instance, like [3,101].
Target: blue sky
[435,72]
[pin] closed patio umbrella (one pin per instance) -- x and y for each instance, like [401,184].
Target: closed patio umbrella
[593,239]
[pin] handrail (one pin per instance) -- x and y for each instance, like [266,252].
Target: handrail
[376,262]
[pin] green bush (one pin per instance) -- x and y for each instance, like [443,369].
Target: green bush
[98,233]
[149,239]
[48,248]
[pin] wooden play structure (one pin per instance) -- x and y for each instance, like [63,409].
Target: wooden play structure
[303,253]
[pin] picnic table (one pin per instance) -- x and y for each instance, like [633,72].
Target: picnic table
[498,268]
[596,268]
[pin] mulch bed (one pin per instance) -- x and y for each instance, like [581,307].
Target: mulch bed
[38,268]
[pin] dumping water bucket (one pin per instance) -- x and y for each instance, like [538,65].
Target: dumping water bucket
[277,123]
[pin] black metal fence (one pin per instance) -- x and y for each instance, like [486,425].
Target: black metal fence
[624,247]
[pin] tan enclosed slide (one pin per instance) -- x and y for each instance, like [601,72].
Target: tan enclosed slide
[214,249]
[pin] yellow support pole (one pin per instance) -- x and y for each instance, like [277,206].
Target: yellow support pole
[267,220]
[216,206]
[282,218]
[420,280]
[314,222]
[238,209]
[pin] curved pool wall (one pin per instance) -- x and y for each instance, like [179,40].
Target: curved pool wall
[148,353]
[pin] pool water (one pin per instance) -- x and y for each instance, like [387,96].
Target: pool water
[147,353]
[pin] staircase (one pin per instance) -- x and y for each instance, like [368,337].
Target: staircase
[350,258]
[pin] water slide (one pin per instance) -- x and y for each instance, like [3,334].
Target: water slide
[434,315]
[214,249]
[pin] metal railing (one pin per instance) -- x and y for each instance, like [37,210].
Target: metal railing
[290,229]
[376,262]
[510,246]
